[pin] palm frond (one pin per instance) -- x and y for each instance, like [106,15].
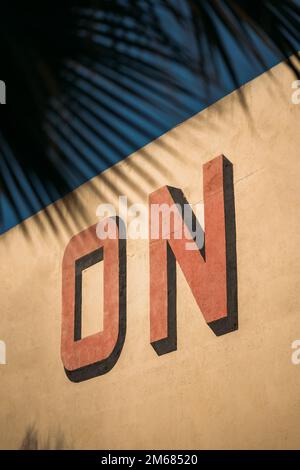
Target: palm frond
[85,77]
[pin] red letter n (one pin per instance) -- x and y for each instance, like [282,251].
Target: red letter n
[209,271]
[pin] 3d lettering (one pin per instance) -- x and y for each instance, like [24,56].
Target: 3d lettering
[210,271]
[84,358]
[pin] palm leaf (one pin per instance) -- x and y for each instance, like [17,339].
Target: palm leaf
[84,79]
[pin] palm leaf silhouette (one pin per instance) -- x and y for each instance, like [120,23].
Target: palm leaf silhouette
[85,77]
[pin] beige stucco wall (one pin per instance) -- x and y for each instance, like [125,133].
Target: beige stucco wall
[239,390]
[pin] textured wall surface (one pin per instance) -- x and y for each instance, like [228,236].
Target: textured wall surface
[239,390]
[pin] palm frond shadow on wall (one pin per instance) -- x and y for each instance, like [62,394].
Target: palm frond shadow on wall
[88,82]
[55,440]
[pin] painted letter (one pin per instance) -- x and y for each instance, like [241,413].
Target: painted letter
[84,358]
[210,270]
